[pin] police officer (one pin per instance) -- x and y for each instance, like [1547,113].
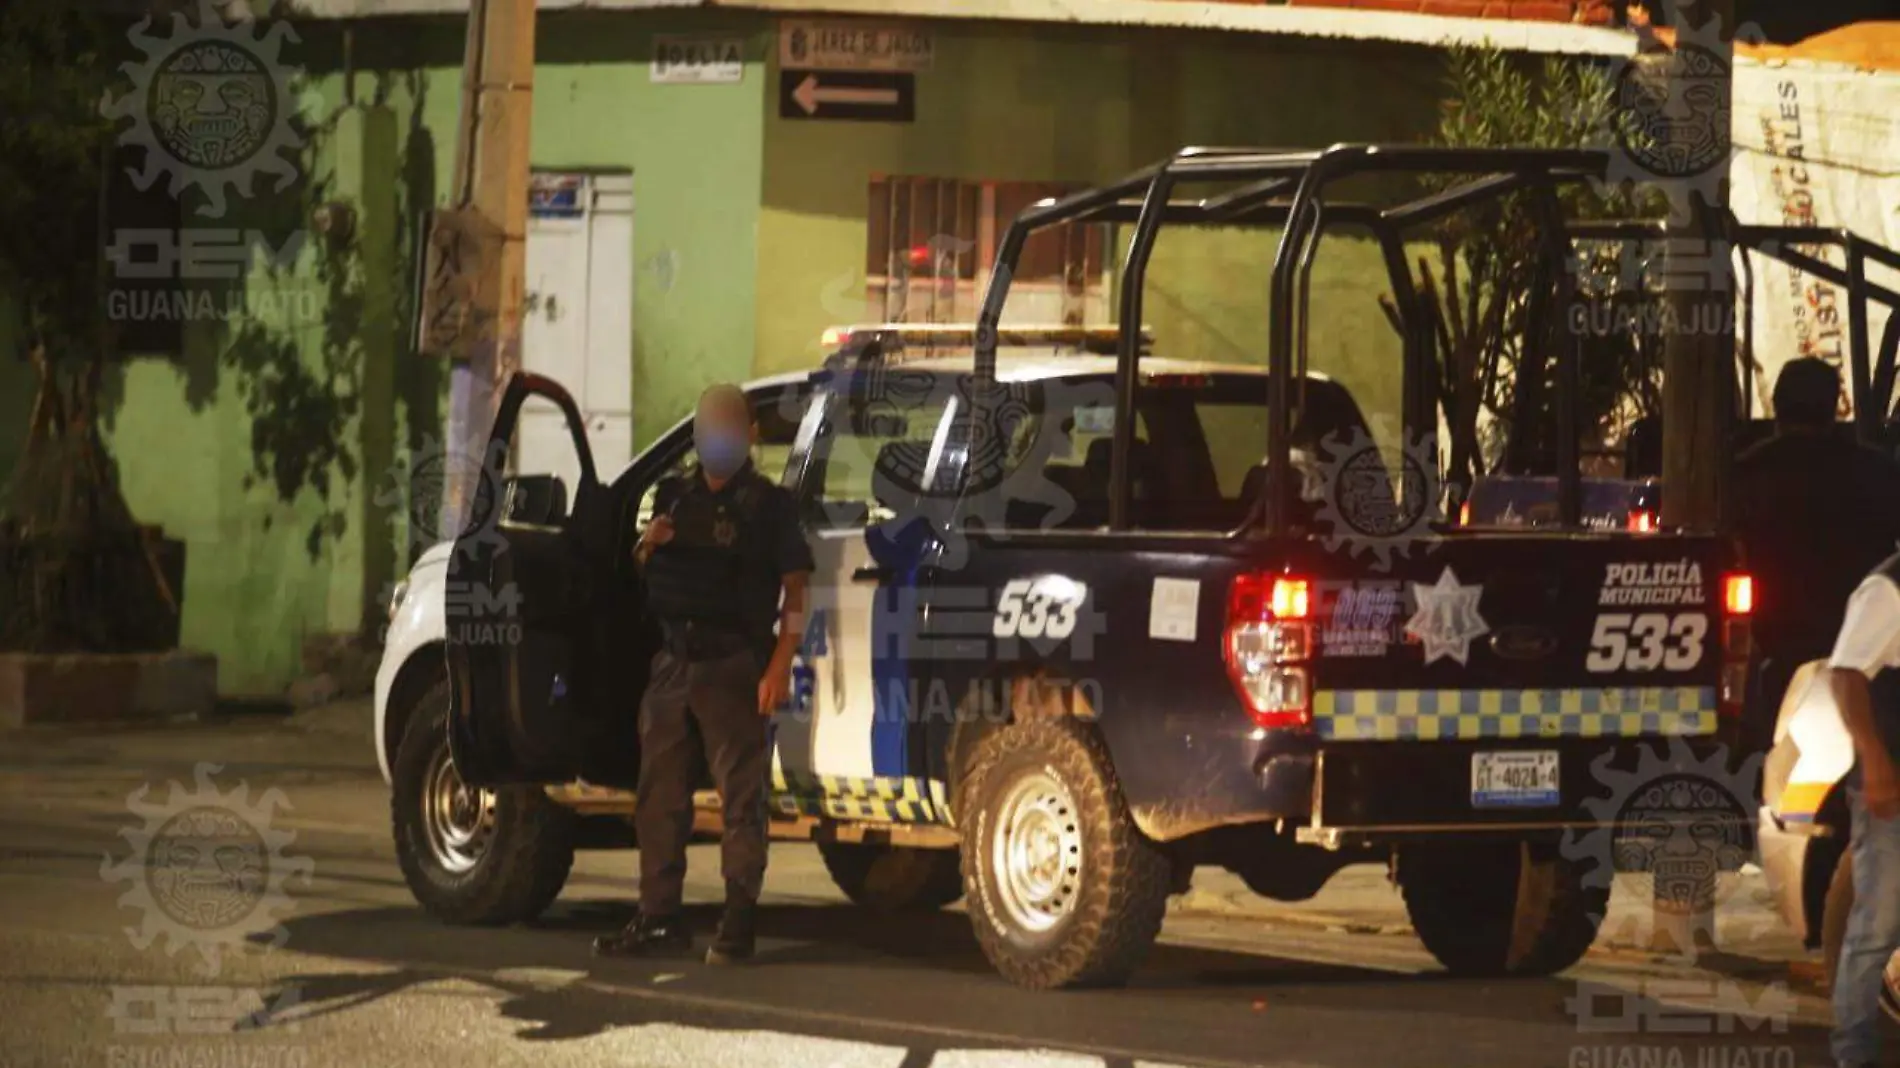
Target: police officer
[723,559]
[1864,677]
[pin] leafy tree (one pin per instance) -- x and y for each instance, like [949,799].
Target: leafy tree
[76,571]
[1494,379]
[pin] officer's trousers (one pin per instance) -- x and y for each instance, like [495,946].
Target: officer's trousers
[708,707]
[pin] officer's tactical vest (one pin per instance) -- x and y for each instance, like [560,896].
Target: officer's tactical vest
[710,569]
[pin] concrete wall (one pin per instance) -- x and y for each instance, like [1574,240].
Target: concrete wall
[1087,105]
[275,444]
[335,402]
[749,239]
[697,159]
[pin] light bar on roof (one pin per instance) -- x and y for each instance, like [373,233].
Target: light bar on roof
[1096,339]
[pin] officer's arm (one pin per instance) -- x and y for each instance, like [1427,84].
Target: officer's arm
[793,560]
[791,617]
[661,521]
[1869,643]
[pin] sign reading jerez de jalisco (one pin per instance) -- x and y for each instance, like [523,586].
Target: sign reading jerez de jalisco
[820,44]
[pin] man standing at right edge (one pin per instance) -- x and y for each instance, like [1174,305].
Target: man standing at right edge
[1865,684]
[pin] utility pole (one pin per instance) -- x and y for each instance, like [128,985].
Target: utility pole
[1699,380]
[478,248]
[1699,345]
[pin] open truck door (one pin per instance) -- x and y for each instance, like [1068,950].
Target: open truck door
[545,642]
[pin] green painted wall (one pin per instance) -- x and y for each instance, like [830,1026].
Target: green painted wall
[1087,105]
[697,161]
[272,562]
[274,445]
[749,239]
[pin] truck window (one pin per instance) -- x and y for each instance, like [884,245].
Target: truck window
[873,447]
[1199,447]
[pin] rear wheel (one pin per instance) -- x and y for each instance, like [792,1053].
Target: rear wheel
[472,856]
[1063,889]
[893,878]
[1498,909]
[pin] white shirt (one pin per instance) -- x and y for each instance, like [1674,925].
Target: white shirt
[1869,641]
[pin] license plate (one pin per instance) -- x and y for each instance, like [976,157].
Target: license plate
[1516,779]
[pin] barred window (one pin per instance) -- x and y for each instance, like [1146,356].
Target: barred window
[931,241]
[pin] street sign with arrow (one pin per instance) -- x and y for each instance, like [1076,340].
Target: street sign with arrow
[866,96]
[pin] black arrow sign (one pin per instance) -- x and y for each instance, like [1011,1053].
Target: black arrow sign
[865,96]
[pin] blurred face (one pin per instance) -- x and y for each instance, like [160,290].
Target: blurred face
[722,431]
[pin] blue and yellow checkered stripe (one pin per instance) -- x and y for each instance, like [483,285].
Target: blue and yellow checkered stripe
[1391,715]
[890,799]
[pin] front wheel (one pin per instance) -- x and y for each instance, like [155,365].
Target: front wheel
[1064,889]
[1500,908]
[472,856]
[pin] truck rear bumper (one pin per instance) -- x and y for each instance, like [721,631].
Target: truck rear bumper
[1387,790]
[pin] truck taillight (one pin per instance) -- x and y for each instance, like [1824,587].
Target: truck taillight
[1738,641]
[1268,643]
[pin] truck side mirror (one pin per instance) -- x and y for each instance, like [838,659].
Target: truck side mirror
[537,500]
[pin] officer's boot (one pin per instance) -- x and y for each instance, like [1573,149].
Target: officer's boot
[647,936]
[737,932]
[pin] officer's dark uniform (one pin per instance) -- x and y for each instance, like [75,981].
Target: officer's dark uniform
[715,590]
[1815,511]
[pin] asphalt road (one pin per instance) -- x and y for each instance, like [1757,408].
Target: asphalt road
[357,975]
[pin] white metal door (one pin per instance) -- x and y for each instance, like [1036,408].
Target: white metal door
[579,325]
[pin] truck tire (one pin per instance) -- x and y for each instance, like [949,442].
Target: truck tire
[1064,890]
[1840,902]
[472,856]
[888,878]
[1500,909]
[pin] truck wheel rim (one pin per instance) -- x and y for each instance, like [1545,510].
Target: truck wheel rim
[1038,852]
[456,817]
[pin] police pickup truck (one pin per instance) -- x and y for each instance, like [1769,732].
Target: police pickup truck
[1086,621]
